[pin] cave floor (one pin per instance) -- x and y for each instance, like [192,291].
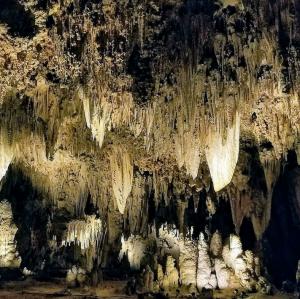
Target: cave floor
[32,289]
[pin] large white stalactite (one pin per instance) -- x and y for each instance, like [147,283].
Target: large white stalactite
[122,175]
[222,153]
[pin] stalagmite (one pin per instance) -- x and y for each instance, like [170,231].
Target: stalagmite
[241,263]
[76,275]
[84,232]
[222,273]
[216,244]
[171,276]
[204,264]
[122,175]
[160,275]
[232,250]
[9,256]
[168,241]
[188,262]
[222,153]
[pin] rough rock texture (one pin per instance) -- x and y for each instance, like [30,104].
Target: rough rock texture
[144,113]
[9,256]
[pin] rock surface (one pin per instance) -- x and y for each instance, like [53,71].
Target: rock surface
[137,126]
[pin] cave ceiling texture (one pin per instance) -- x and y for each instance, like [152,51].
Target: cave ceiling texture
[151,141]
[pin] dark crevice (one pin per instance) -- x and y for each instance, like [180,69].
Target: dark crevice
[21,22]
[247,235]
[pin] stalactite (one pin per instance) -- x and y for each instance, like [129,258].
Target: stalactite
[100,121]
[188,152]
[6,156]
[222,154]
[41,98]
[121,165]
[137,211]
[240,203]
[86,106]
[271,167]
[85,232]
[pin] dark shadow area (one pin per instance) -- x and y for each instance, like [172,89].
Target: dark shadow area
[30,216]
[139,67]
[20,21]
[222,219]
[247,235]
[282,239]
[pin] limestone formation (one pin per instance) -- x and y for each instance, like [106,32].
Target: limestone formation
[204,267]
[84,232]
[9,256]
[161,133]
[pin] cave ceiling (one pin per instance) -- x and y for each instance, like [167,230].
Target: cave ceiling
[110,99]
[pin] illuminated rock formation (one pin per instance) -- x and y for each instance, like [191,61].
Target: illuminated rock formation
[84,232]
[9,256]
[171,276]
[187,263]
[134,248]
[204,264]
[121,175]
[222,153]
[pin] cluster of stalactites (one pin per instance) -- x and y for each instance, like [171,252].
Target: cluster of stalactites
[104,113]
[121,166]
[84,233]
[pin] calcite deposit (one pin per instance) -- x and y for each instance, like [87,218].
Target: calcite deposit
[9,256]
[153,138]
